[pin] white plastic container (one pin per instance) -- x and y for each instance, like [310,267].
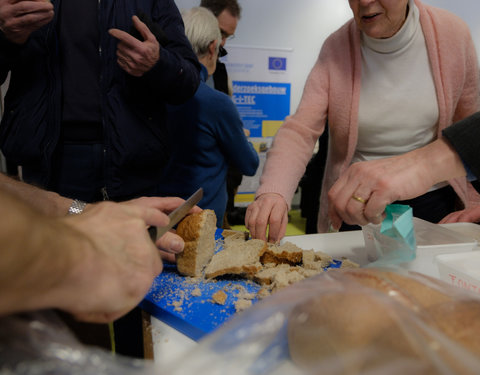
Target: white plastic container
[461,269]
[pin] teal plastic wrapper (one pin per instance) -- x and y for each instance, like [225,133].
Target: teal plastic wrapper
[394,240]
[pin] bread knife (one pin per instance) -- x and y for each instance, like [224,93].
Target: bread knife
[175,216]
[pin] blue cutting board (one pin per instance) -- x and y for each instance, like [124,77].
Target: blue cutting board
[170,299]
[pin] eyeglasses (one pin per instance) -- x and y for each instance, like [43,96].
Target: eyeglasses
[222,52]
[226,35]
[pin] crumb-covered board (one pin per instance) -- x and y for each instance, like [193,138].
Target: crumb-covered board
[186,303]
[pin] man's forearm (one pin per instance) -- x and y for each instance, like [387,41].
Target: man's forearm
[37,255]
[47,202]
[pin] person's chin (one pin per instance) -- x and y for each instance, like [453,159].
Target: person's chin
[373,31]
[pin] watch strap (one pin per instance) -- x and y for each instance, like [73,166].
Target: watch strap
[76,207]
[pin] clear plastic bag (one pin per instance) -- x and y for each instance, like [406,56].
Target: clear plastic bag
[351,321]
[338,323]
[394,240]
[41,344]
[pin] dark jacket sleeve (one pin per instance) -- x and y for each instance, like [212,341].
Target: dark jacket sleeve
[175,77]
[465,138]
[8,53]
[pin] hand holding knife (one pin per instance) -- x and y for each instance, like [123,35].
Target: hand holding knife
[176,216]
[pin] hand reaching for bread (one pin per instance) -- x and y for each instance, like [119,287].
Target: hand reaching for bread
[268,210]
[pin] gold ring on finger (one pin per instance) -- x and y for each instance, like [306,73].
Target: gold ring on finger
[359,199]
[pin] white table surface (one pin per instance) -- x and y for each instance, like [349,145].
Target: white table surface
[169,344]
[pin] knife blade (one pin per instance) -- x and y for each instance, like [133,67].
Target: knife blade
[175,216]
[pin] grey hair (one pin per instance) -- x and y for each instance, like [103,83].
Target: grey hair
[201,29]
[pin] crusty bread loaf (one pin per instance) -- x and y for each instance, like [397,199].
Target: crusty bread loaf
[373,318]
[339,327]
[407,290]
[198,232]
[237,258]
[459,320]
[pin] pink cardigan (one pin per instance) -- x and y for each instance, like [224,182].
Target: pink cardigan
[333,90]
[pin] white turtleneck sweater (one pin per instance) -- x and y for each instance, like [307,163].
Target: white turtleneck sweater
[398,103]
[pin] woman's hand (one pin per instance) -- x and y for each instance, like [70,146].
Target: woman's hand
[469,215]
[270,210]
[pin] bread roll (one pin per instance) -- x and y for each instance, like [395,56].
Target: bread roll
[198,232]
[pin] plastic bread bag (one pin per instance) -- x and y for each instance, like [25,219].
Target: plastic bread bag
[393,241]
[362,321]
[41,344]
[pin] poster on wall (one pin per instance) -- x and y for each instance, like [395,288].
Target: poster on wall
[261,86]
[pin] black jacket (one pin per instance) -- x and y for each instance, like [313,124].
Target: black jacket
[465,137]
[133,109]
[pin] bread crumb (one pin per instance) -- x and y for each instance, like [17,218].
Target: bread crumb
[193,280]
[306,272]
[324,258]
[246,295]
[196,292]
[347,263]
[177,305]
[219,297]
[242,304]
[264,292]
[308,256]
[285,278]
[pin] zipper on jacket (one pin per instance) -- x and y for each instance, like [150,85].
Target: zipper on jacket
[104,193]
[52,117]
[101,83]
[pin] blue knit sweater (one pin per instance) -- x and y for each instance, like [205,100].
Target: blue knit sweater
[206,136]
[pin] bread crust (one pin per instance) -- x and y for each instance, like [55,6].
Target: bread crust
[198,232]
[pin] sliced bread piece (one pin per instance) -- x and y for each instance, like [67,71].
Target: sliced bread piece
[198,232]
[285,253]
[237,258]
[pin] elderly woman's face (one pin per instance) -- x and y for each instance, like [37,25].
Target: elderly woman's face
[379,18]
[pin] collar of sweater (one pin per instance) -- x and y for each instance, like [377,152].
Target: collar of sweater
[401,39]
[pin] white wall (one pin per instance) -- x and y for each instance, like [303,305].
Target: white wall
[303,25]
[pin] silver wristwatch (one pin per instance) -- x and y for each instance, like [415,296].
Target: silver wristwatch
[77,207]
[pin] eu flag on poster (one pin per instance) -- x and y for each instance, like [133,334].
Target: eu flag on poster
[277,63]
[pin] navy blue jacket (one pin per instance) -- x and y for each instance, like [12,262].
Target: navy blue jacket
[206,136]
[133,109]
[464,136]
